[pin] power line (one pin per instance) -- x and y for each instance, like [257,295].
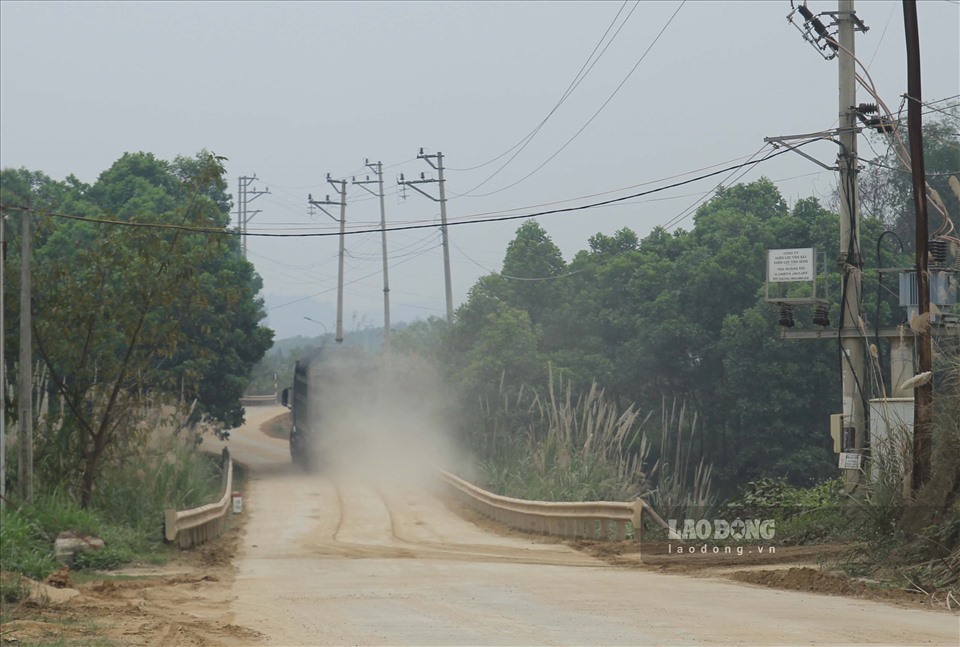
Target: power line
[356,280]
[432,225]
[517,278]
[589,121]
[566,94]
[673,222]
[940,110]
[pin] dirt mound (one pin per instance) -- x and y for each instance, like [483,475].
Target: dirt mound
[802,579]
[60,578]
[813,581]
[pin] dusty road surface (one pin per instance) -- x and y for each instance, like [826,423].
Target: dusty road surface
[341,561]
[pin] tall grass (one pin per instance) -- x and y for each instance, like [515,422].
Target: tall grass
[915,537]
[557,446]
[126,511]
[553,446]
[684,487]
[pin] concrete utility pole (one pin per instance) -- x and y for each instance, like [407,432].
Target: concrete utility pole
[923,394]
[343,223]
[25,423]
[378,169]
[245,196]
[850,260]
[443,217]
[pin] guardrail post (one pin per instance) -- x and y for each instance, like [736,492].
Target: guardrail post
[638,520]
[621,530]
[170,524]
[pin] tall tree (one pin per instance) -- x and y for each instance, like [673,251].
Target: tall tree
[135,313]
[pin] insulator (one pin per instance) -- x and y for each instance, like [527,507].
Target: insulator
[821,315]
[937,248]
[867,108]
[785,315]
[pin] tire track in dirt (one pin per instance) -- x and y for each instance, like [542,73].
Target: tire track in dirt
[336,530]
[406,522]
[374,561]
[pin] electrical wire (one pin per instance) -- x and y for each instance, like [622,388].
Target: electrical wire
[940,110]
[432,225]
[515,278]
[589,121]
[900,149]
[893,7]
[566,94]
[367,276]
[686,212]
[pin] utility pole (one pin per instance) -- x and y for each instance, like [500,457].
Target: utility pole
[852,346]
[3,367]
[851,331]
[438,167]
[25,424]
[320,204]
[245,196]
[378,169]
[923,393]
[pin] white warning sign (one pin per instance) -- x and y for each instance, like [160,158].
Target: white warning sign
[788,265]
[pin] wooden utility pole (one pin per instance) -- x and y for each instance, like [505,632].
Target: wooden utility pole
[25,423]
[923,394]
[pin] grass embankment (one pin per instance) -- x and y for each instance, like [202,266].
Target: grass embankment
[278,427]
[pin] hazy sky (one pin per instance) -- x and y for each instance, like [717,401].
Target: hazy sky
[293,91]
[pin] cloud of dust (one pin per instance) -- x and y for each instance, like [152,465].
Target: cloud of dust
[383,420]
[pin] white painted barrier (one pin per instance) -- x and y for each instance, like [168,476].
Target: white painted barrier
[258,400]
[196,526]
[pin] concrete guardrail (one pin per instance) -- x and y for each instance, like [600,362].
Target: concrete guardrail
[603,520]
[196,526]
[258,400]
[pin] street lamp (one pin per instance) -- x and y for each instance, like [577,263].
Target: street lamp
[319,323]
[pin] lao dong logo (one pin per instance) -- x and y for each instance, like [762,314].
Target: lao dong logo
[720,529]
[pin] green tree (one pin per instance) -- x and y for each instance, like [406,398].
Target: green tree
[130,315]
[886,186]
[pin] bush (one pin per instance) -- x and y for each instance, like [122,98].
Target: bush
[27,548]
[803,515]
[127,513]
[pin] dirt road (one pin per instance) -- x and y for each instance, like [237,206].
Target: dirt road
[353,562]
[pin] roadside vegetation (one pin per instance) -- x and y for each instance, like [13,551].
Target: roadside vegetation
[654,367]
[143,340]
